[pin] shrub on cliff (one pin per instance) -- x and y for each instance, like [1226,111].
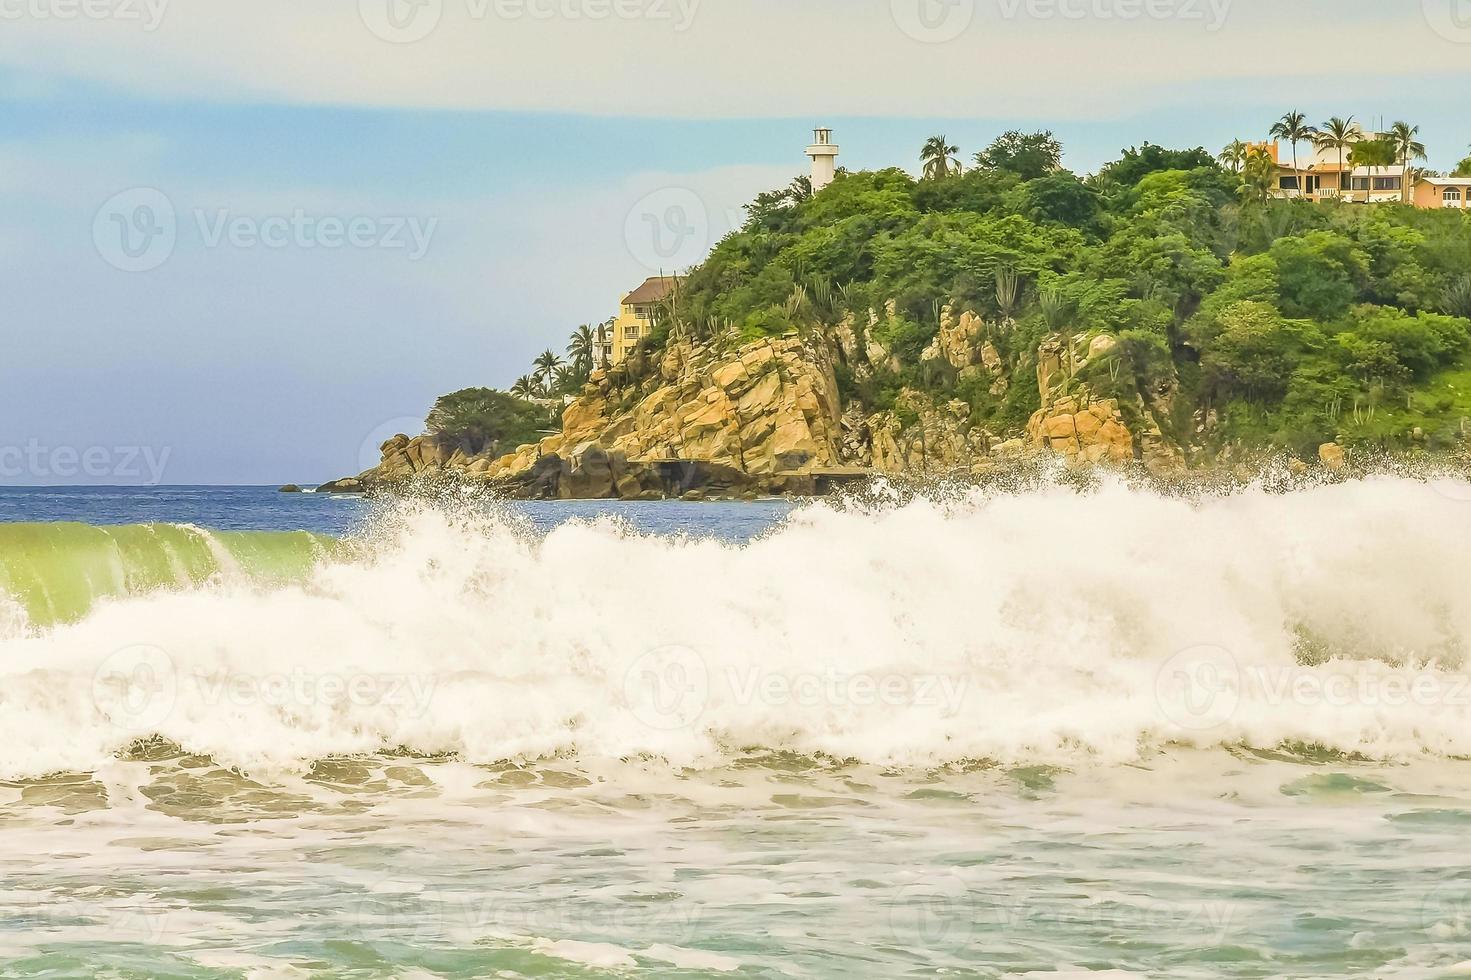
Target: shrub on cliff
[483,420]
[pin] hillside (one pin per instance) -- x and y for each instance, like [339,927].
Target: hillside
[1158,311]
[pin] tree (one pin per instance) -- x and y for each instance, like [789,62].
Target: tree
[1253,353]
[1463,169]
[1408,149]
[1341,135]
[1373,153]
[1139,162]
[1319,274]
[938,157]
[1028,155]
[483,420]
[546,365]
[1062,198]
[1233,157]
[524,388]
[583,350]
[800,190]
[1258,176]
[1294,128]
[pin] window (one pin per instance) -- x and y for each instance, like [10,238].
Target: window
[642,312]
[1360,183]
[1387,183]
[1453,196]
[1287,183]
[630,333]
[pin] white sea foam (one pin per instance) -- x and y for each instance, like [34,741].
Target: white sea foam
[1049,626]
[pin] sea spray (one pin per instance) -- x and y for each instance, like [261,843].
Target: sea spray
[1044,625]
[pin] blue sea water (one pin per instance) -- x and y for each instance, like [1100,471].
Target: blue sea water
[267,509]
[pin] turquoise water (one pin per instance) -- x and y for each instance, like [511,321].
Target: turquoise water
[929,739]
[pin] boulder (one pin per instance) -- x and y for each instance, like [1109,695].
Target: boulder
[1332,456]
[1083,429]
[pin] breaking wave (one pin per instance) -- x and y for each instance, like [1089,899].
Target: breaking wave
[1049,625]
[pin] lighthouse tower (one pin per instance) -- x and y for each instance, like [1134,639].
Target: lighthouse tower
[824,154]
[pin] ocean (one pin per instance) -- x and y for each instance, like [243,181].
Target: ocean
[1048,730]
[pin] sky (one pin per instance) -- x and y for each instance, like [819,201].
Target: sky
[245,241]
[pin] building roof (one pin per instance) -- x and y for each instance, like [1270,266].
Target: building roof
[1448,181]
[653,290]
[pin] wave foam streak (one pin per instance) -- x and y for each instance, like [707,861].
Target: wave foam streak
[1042,627]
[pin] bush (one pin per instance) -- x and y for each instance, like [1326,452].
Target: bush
[483,420]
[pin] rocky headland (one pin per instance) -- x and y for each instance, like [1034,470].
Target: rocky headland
[729,420]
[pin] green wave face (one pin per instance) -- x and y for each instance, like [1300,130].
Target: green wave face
[57,572]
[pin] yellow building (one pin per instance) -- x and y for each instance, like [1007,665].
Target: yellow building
[637,314]
[1444,192]
[1321,177]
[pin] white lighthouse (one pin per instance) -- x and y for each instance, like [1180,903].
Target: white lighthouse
[824,154]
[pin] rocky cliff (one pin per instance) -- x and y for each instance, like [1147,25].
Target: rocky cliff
[720,419]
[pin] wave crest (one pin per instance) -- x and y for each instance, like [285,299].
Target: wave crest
[1051,625]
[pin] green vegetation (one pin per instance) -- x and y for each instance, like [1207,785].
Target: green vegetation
[482,420]
[1239,318]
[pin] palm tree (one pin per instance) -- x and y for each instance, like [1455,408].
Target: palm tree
[524,387]
[1372,153]
[583,349]
[1257,175]
[1341,135]
[1408,148]
[938,157]
[1234,155]
[1294,128]
[545,365]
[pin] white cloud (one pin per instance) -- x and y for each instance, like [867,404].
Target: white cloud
[732,58]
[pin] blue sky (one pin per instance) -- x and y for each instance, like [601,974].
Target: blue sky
[259,345]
